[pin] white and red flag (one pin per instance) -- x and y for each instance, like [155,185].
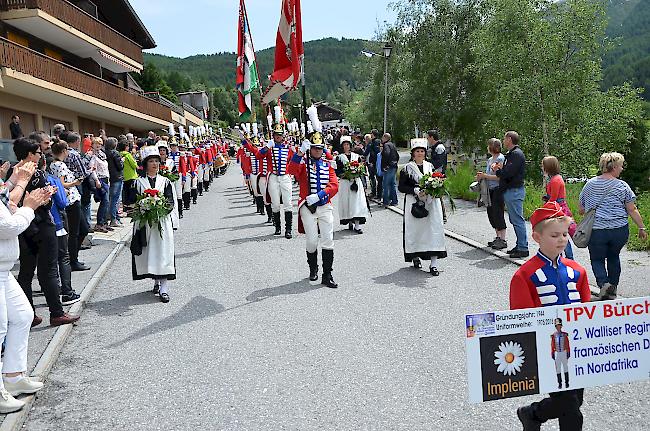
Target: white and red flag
[289,53]
[247,78]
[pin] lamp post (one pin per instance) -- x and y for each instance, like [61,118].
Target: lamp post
[387,51]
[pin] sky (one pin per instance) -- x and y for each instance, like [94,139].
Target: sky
[184,28]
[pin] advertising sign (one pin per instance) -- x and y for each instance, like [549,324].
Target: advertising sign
[552,349]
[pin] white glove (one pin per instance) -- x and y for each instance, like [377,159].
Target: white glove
[306,145]
[270,144]
[312,199]
[416,190]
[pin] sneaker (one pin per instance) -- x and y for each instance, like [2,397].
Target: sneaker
[66,319]
[499,244]
[527,420]
[493,241]
[23,386]
[512,250]
[518,254]
[8,404]
[70,299]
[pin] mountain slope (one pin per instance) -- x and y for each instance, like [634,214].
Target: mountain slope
[328,63]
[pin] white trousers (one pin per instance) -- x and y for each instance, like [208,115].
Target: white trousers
[561,361]
[263,184]
[16,316]
[280,186]
[253,184]
[323,220]
[187,186]
[195,182]
[199,172]
[206,172]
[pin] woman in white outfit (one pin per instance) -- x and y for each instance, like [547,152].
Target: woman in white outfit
[352,205]
[156,254]
[16,314]
[424,238]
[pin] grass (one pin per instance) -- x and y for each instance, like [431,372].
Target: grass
[458,184]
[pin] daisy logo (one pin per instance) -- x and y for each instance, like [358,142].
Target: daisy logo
[509,358]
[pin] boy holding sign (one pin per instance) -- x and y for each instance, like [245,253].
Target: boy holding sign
[549,279]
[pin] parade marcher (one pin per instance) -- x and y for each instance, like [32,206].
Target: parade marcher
[548,279]
[207,172]
[156,253]
[318,185]
[424,238]
[279,181]
[186,175]
[256,164]
[163,150]
[245,161]
[175,156]
[264,167]
[352,205]
[194,173]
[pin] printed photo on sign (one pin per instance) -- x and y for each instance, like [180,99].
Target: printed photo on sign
[509,366]
[479,324]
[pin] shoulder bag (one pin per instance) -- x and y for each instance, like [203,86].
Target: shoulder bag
[583,232]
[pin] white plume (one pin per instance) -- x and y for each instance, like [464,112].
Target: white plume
[312,113]
[278,114]
[171,131]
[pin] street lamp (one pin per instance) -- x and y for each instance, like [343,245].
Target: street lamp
[388,48]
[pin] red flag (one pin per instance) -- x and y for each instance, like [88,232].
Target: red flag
[289,52]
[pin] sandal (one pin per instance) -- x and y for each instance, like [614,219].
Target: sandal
[417,263]
[434,271]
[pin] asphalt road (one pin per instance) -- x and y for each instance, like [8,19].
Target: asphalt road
[246,343]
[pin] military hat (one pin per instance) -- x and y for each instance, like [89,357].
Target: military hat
[278,129]
[317,140]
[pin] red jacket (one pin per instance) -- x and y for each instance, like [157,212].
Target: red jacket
[298,168]
[537,283]
[243,154]
[266,162]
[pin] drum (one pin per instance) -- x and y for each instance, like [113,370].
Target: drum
[220,161]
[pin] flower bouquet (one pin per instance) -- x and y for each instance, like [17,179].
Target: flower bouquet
[167,173]
[150,208]
[435,185]
[352,171]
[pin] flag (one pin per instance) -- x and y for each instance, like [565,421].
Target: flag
[247,78]
[289,52]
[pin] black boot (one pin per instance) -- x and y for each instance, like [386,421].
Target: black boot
[187,196]
[312,260]
[199,188]
[194,196]
[328,260]
[260,205]
[559,381]
[288,219]
[179,205]
[206,186]
[269,214]
[276,223]
[566,380]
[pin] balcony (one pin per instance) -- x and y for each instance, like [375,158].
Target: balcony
[37,76]
[65,25]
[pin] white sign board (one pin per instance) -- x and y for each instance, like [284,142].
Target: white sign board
[525,352]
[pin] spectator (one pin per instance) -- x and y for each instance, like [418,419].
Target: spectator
[511,176]
[16,315]
[389,162]
[99,166]
[38,243]
[495,208]
[58,129]
[372,149]
[87,143]
[59,204]
[116,177]
[556,192]
[614,201]
[437,153]
[130,174]
[14,127]
[78,226]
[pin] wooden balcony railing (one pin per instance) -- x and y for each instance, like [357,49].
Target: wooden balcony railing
[77,18]
[25,60]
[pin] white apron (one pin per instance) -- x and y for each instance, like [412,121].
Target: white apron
[175,187]
[157,258]
[424,237]
[352,205]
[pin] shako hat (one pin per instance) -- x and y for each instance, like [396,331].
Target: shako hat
[278,129]
[316,140]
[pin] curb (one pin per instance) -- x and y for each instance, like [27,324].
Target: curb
[15,421]
[475,244]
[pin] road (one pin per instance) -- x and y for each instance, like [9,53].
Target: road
[246,343]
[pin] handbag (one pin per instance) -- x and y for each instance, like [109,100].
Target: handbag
[418,209]
[138,241]
[582,234]
[354,186]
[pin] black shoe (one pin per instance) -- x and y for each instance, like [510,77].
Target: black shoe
[84,247]
[492,242]
[156,289]
[180,216]
[527,420]
[329,281]
[417,263]
[78,267]
[512,250]
[288,234]
[164,297]
[70,299]
[359,231]
[434,271]
[518,254]
[499,244]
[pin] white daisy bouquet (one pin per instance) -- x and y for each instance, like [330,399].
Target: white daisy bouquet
[150,208]
[435,185]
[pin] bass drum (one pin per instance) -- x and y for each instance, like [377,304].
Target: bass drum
[220,161]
